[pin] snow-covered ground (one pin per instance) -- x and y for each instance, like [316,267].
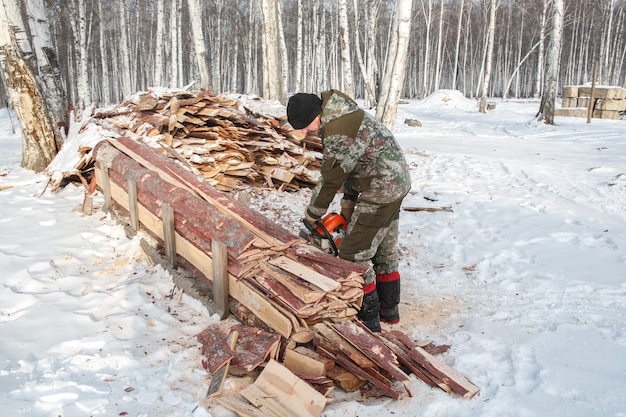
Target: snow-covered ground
[523,274]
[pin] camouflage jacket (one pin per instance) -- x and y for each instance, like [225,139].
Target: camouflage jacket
[359,151]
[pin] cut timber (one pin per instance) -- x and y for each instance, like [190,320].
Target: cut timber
[571,112]
[215,347]
[369,344]
[199,258]
[290,391]
[331,341]
[307,274]
[238,404]
[345,380]
[269,404]
[457,382]
[298,363]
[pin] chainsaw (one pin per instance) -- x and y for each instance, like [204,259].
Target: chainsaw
[327,233]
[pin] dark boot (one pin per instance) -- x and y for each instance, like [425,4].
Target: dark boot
[388,286]
[370,309]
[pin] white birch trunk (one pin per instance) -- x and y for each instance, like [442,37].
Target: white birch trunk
[299,41]
[158,58]
[542,36]
[428,15]
[458,46]
[195,15]
[396,64]
[47,64]
[489,57]
[366,59]
[546,109]
[174,45]
[284,57]
[40,137]
[125,53]
[105,91]
[272,69]
[346,55]
[439,48]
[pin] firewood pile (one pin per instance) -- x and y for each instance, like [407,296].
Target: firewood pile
[299,378]
[296,304]
[219,138]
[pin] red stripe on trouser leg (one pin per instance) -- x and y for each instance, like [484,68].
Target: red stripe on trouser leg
[392,276]
[369,287]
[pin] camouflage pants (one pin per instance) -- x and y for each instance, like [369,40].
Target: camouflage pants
[372,238]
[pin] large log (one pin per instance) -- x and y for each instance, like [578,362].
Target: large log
[203,214]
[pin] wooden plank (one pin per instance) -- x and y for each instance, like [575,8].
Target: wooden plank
[105,185]
[169,234]
[290,391]
[339,345]
[219,255]
[305,291]
[268,404]
[132,205]
[307,274]
[456,381]
[299,363]
[240,406]
[254,301]
[372,347]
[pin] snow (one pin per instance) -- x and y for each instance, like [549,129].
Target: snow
[523,275]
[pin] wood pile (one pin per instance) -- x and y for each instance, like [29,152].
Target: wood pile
[218,137]
[606,103]
[272,272]
[297,303]
[341,353]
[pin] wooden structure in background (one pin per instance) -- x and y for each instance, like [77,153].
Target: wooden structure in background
[606,102]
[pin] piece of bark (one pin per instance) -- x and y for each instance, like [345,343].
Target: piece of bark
[219,376]
[215,347]
[254,347]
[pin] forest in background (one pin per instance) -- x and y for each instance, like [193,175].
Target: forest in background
[132,45]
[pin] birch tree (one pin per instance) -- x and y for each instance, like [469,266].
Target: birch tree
[272,68]
[387,107]
[489,56]
[158,57]
[40,138]
[346,55]
[195,15]
[546,109]
[457,48]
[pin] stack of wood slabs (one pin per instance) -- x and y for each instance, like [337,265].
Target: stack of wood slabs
[222,140]
[606,103]
[279,277]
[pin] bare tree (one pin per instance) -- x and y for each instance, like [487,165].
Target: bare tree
[391,87]
[346,55]
[195,15]
[489,56]
[272,68]
[546,109]
[40,138]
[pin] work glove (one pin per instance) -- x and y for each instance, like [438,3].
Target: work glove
[310,220]
[347,208]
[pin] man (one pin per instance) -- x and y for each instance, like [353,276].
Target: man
[361,157]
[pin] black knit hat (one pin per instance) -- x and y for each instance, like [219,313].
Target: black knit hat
[302,109]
